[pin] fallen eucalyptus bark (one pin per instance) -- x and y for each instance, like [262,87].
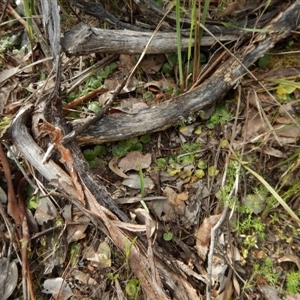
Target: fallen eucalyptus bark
[162,116]
[83,39]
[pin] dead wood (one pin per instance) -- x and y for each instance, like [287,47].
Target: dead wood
[159,117]
[83,39]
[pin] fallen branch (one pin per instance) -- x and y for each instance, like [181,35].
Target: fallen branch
[83,39]
[162,116]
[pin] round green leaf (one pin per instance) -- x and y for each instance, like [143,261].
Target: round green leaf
[118,151]
[168,236]
[100,150]
[166,68]
[161,162]
[132,287]
[136,147]
[94,107]
[89,154]
[145,138]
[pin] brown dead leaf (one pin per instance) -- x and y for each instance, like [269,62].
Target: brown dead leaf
[113,166]
[135,160]
[254,127]
[152,63]
[290,258]
[133,181]
[273,152]
[203,235]
[174,198]
[77,232]
[289,131]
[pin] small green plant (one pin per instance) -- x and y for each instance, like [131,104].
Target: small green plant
[293,282]
[128,246]
[74,252]
[33,200]
[92,83]
[92,156]
[264,61]
[219,117]
[265,269]
[8,43]
[133,288]
[168,236]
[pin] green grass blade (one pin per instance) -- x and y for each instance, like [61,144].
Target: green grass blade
[178,35]
[274,193]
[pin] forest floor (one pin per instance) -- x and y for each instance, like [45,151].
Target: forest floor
[218,189]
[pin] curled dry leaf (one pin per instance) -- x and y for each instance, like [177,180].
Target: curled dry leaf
[174,198]
[77,232]
[58,287]
[99,254]
[135,160]
[203,235]
[45,211]
[290,258]
[172,208]
[113,165]
[133,181]
[8,281]
[218,277]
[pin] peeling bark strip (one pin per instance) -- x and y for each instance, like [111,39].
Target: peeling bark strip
[83,39]
[159,117]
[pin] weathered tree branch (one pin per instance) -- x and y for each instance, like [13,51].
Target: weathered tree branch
[83,39]
[159,117]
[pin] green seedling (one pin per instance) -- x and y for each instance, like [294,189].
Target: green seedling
[219,117]
[167,69]
[28,11]
[212,171]
[265,269]
[202,164]
[4,124]
[145,138]
[128,245]
[100,150]
[168,236]
[92,155]
[264,61]
[112,276]
[94,107]
[126,144]
[161,162]
[8,43]
[118,151]
[293,282]
[185,159]
[148,96]
[33,200]
[74,252]
[136,147]
[89,154]
[133,288]
[199,173]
